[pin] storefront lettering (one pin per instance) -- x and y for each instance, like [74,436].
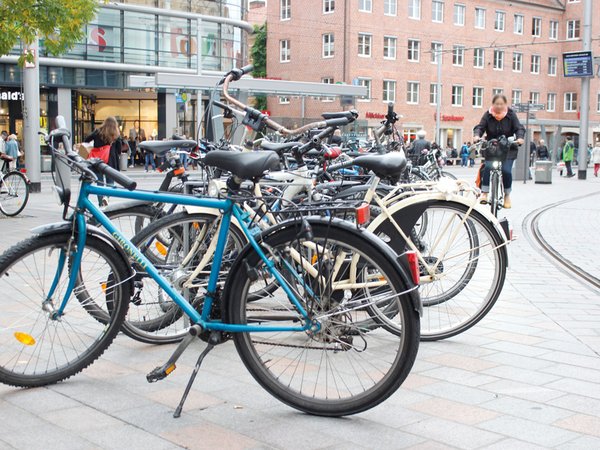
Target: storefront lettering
[450,118]
[97,38]
[374,115]
[12,95]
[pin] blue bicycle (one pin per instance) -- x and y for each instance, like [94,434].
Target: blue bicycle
[67,290]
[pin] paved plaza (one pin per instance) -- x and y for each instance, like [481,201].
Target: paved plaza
[526,377]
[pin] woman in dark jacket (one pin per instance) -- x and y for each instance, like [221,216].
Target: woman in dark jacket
[500,120]
[103,137]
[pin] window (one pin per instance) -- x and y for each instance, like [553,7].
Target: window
[412,92]
[479,58]
[284,50]
[516,96]
[518,29]
[553,29]
[389,47]
[479,18]
[551,103]
[570,101]
[414,9]
[536,26]
[573,30]
[477,97]
[327,80]
[433,94]
[498,59]
[414,48]
[517,62]
[552,65]
[365,5]
[500,22]
[436,52]
[457,95]
[328,50]
[366,82]
[284,100]
[458,55]
[364,44]
[459,15]
[535,64]
[497,91]
[534,97]
[437,11]
[390,7]
[598,102]
[285,10]
[389,91]
[328,6]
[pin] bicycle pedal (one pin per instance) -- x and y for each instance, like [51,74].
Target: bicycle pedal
[160,373]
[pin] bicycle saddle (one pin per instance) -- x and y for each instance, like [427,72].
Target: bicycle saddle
[162,147]
[246,165]
[386,165]
[279,147]
[338,115]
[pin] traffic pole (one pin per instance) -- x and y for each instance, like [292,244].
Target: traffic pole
[527,147]
[31,118]
[585,95]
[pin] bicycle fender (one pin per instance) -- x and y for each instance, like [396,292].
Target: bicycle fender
[397,261]
[62,227]
[119,206]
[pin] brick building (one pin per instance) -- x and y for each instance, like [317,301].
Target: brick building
[391,47]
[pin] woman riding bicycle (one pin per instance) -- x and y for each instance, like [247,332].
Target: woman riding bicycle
[499,121]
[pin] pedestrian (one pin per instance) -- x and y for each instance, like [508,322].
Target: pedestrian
[464,155]
[499,120]
[567,156]
[472,154]
[12,150]
[542,151]
[102,140]
[3,139]
[336,139]
[532,151]
[419,147]
[132,141]
[596,158]
[149,160]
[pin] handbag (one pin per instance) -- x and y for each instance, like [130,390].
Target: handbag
[101,153]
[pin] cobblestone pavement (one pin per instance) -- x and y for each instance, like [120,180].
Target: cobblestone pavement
[526,377]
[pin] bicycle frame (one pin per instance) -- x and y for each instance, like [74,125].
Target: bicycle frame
[229,210]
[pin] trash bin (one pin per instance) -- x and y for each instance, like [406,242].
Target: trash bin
[46,163]
[123,161]
[543,172]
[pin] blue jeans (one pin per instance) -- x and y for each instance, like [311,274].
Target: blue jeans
[506,176]
[464,160]
[103,181]
[184,160]
[149,159]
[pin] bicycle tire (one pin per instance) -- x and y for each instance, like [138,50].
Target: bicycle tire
[131,221]
[493,195]
[449,175]
[291,393]
[110,283]
[17,190]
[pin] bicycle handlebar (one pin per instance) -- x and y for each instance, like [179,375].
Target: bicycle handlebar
[117,176]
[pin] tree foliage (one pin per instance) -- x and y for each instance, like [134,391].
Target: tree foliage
[59,23]
[258,53]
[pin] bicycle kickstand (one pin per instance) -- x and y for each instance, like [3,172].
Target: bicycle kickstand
[212,341]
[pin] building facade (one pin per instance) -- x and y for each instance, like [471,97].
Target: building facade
[392,47]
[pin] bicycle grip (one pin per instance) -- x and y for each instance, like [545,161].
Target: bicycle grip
[247,69]
[338,122]
[117,176]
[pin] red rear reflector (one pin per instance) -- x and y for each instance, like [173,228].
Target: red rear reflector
[363,214]
[179,171]
[23,170]
[413,264]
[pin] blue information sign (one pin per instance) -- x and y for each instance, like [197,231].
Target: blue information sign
[578,64]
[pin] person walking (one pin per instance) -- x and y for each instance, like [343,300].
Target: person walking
[542,151]
[132,141]
[532,152]
[12,149]
[102,139]
[472,154]
[596,158]
[499,120]
[464,155]
[567,156]
[419,146]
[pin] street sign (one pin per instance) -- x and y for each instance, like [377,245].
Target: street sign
[527,107]
[578,64]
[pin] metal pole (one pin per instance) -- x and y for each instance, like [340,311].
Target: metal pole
[585,95]
[31,119]
[527,145]
[438,106]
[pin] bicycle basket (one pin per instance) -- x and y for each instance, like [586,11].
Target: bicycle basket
[496,149]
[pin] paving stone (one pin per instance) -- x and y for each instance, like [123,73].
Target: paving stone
[38,400]
[581,423]
[460,376]
[452,433]
[80,418]
[461,362]
[574,386]
[518,349]
[455,411]
[522,390]
[577,403]
[582,443]
[450,391]
[527,430]
[127,437]
[513,444]
[209,436]
[538,412]
[522,375]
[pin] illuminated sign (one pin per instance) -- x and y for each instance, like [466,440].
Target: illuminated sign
[578,64]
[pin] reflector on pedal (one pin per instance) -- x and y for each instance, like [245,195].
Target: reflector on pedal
[170,369]
[363,214]
[24,338]
[413,264]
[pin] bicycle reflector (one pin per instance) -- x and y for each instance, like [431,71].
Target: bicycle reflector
[413,265]
[363,214]
[179,171]
[24,338]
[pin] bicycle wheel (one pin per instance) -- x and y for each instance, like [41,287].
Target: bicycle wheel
[493,195]
[38,349]
[343,368]
[449,175]
[14,193]
[131,221]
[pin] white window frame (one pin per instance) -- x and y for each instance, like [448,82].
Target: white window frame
[458,53]
[521,18]
[477,17]
[433,18]
[410,92]
[536,63]
[362,6]
[501,14]
[433,91]
[498,52]
[434,52]
[573,22]
[534,97]
[327,80]
[520,59]
[476,59]
[463,14]
[391,4]
[537,20]
[285,49]
[285,10]
[411,49]
[454,95]
[369,83]
[330,46]
[328,4]
[388,39]
[414,9]
[513,96]
[550,108]
[386,92]
[571,95]
[497,91]
[553,30]
[364,37]
[481,90]
[284,100]
[598,102]
[552,66]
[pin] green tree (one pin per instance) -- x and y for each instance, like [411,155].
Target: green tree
[258,53]
[59,23]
